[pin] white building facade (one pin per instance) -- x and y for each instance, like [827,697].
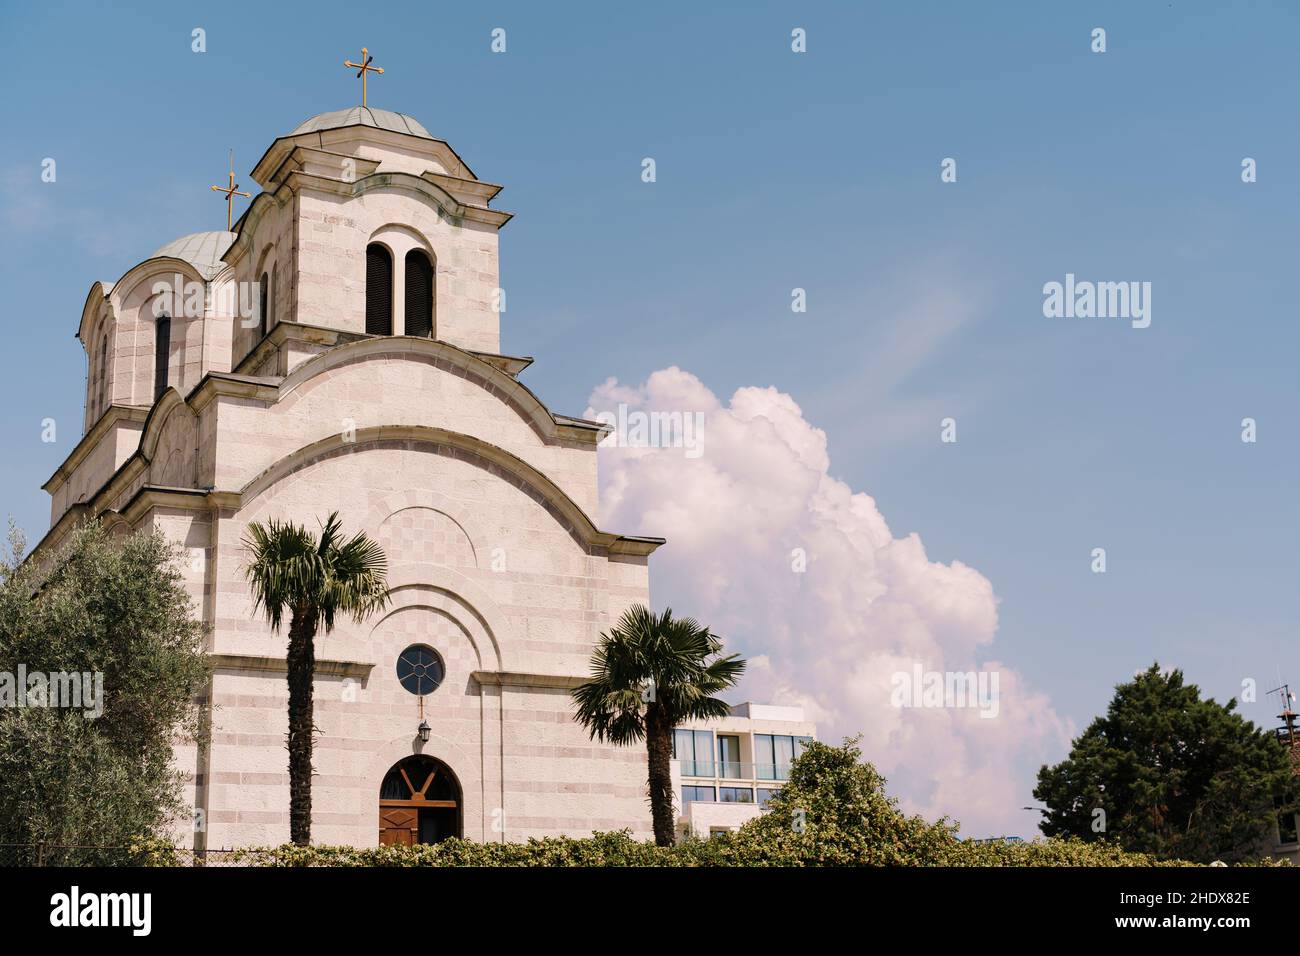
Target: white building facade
[339,350]
[726,770]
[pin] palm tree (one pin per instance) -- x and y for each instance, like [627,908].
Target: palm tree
[649,674]
[314,580]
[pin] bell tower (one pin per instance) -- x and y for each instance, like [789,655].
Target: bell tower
[375,227]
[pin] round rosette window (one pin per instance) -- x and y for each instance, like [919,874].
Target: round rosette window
[420,669]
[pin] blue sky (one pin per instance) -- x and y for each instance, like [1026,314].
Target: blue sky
[777,171]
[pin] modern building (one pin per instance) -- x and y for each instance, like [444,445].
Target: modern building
[339,349]
[725,770]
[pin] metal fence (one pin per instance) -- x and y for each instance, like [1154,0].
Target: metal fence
[65,854]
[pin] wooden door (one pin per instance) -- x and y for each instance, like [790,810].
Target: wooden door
[398,825]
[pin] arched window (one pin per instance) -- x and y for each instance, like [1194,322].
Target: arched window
[270,312]
[92,385]
[162,346]
[103,375]
[419,294]
[264,303]
[379,290]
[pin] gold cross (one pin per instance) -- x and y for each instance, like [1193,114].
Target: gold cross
[364,68]
[231,189]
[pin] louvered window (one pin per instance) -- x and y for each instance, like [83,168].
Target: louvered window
[379,290]
[419,294]
[162,346]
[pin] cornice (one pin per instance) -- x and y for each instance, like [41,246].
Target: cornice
[325,667]
[112,415]
[523,679]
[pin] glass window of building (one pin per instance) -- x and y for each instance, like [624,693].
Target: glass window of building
[694,748]
[697,794]
[729,756]
[736,795]
[773,754]
[764,757]
[784,756]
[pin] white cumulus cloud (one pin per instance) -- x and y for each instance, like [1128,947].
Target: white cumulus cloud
[739,515]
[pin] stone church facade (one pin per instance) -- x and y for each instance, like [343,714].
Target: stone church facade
[367,378]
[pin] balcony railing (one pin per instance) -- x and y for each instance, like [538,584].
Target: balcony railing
[697,768]
[734,770]
[752,802]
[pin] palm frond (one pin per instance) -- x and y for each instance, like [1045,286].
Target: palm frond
[291,568]
[653,660]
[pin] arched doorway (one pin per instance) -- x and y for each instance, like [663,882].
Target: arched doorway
[419,802]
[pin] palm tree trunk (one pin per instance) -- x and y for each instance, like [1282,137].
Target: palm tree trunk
[301,666]
[659,752]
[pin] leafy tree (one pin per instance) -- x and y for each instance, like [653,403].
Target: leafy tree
[649,674]
[101,772]
[1174,775]
[834,811]
[314,580]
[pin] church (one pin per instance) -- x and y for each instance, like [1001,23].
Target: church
[339,348]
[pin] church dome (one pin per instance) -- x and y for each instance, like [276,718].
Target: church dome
[202,250]
[364,116]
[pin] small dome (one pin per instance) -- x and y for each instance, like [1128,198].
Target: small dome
[364,116]
[202,250]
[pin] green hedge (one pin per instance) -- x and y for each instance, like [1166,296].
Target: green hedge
[619,849]
[832,812]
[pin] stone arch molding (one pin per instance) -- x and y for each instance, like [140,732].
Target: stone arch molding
[116,525]
[453,594]
[171,444]
[413,186]
[158,421]
[511,392]
[135,288]
[509,467]
[98,307]
[399,237]
[479,541]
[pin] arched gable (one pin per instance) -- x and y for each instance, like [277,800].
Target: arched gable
[115,524]
[98,298]
[492,458]
[424,187]
[508,390]
[173,446]
[152,429]
[127,291]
